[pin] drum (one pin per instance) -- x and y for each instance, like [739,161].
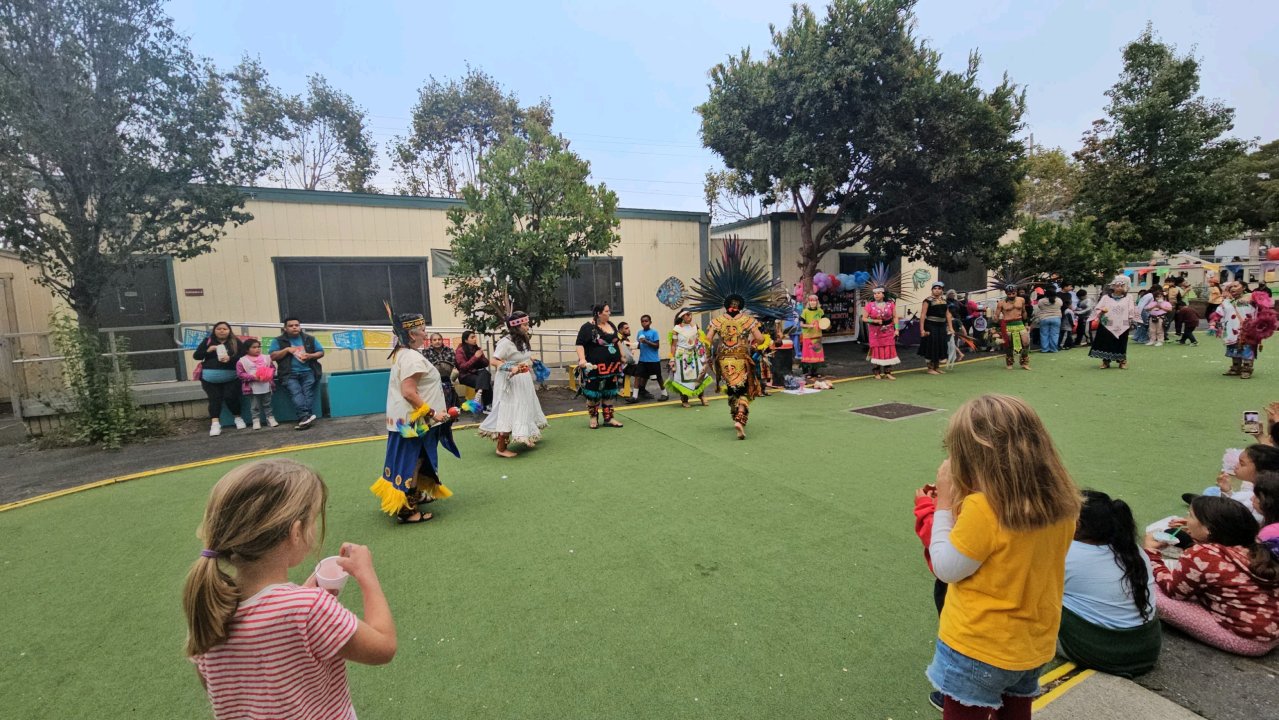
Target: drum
[824,324]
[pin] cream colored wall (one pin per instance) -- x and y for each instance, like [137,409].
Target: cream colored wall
[238,278]
[32,303]
[756,237]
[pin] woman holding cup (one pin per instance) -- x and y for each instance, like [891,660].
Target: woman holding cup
[217,354]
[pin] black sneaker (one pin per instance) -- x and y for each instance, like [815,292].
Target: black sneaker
[936,699]
[631,400]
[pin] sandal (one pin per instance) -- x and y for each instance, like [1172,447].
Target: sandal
[421,518]
[613,424]
[595,424]
[702,400]
[1123,365]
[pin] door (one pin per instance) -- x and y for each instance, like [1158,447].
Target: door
[144,298]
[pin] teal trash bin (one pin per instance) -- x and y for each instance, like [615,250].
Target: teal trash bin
[357,392]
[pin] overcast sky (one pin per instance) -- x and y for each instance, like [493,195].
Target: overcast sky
[624,77]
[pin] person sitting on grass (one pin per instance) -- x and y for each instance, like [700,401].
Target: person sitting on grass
[1224,590]
[1108,618]
[1265,501]
[1252,459]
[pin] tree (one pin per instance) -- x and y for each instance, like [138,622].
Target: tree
[1151,170]
[1068,251]
[515,239]
[328,146]
[851,115]
[1050,184]
[319,141]
[455,124]
[727,200]
[1254,181]
[117,147]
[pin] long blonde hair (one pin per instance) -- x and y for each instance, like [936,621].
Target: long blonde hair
[998,446]
[251,510]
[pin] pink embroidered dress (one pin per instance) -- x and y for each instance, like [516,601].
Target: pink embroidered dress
[882,332]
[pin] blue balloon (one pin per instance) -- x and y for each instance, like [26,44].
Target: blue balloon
[861,277]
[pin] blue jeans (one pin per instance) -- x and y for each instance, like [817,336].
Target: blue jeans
[1050,333]
[976,684]
[301,387]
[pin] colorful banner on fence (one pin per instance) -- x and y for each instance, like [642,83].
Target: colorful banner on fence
[349,339]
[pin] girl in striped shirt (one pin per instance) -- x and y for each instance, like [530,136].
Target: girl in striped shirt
[264,647]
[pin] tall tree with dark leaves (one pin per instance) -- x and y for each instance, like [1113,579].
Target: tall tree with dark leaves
[456,123]
[517,238]
[1151,169]
[1255,189]
[117,146]
[849,115]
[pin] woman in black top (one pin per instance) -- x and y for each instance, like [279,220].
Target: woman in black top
[601,362]
[217,354]
[443,358]
[934,343]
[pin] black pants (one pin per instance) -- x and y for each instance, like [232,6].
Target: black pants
[482,382]
[1187,334]
[1081,332]
[644,371]
[227,393]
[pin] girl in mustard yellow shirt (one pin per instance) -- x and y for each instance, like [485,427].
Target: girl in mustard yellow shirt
[1006,512]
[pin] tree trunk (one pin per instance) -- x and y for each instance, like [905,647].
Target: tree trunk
[808,257]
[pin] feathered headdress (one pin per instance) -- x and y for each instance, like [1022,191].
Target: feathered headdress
[1011,275]
[889,280]
[733,276]
[400,326]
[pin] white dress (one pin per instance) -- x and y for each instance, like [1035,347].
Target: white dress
[516,409]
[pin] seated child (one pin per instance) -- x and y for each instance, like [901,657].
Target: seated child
[1243,465]
[1224,591]
[1108,618]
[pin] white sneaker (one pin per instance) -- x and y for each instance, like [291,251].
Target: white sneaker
[257,425]
[239,423]
[215,428]
[270,421]
[1159,344]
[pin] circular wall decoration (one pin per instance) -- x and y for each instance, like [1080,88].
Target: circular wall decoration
[671,292]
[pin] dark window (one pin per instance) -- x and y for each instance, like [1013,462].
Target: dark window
[968,279]
[599,280]
[337,291]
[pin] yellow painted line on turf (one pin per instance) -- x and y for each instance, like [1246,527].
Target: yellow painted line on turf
[348,441]
[1060,690]
[187,466]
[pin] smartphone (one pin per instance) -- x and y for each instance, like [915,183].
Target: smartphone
[1252,422]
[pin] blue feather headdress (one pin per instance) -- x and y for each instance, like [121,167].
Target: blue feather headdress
[733,276]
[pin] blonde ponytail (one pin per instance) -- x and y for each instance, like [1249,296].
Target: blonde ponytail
[251,510]
[209,599]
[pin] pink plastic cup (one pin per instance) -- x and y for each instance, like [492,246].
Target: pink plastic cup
[330,576]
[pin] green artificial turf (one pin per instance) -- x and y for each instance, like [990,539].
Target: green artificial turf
[664,570]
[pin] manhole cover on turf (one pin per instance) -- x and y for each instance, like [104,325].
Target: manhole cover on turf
[893,411]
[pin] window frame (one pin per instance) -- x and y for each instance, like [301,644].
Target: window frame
[280,263]
[616,303]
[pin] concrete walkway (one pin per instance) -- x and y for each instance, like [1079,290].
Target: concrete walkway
[1106,697]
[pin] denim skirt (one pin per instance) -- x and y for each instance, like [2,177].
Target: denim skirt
[976,684]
